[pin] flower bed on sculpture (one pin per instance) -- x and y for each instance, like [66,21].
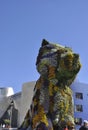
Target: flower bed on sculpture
[52,104]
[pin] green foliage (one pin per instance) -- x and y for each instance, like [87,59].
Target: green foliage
[7,121]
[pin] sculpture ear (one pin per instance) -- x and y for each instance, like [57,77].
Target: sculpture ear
[44,42]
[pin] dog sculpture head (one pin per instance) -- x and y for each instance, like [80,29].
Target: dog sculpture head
[62,61]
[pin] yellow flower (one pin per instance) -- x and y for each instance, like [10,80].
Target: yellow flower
[51,89]
[62,64]
[39,83]
[56,89]
[40,117]
[35,102]
[51,72]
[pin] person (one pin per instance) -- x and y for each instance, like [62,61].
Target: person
[85,125]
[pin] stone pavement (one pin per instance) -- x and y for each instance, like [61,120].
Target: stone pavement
[8,128]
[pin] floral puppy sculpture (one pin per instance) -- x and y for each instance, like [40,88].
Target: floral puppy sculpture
[52,104]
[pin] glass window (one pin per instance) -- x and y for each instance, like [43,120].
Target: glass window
[78,121]
[79,95]
[78,108]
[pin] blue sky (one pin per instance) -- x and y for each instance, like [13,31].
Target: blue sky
[23,25]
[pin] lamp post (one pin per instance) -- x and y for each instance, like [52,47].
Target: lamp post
[11,109]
